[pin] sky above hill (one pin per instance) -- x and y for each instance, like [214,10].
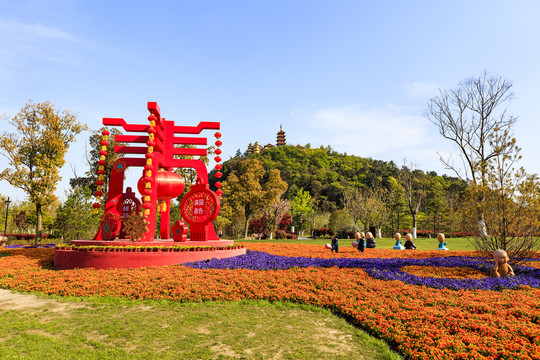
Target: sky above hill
[356,75]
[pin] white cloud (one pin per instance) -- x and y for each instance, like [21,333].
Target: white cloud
[389,133]
[17,31]
[24,43]
[377,129]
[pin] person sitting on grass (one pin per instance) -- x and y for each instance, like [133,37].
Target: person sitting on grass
[501,266]
[370,241]
[409,244]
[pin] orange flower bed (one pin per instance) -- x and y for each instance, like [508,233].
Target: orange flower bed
[422,323]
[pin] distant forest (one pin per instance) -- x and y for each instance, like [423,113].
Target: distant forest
[332,179]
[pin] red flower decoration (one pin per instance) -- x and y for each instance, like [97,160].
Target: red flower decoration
[109,226]
[179,231]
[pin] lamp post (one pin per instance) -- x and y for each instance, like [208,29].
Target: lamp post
[7,210]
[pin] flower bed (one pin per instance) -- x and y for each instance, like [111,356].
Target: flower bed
[421,322]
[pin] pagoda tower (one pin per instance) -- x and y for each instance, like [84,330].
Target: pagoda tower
[281,137]
[256,148]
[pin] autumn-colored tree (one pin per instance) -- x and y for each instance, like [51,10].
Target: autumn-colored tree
[243,189]
[274,215]
[36,152]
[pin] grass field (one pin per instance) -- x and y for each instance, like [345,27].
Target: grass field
[40,327]
[453,244]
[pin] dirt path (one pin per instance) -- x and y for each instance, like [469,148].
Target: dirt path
[15,301]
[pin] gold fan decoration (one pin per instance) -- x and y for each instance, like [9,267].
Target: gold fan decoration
[135,225]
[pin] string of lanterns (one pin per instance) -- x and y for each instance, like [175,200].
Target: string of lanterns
[147,172]
[101,169]
[218,166]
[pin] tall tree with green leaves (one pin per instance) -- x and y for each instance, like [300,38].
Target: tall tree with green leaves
[75,218]
[302,208]
[36,152]
[245,189]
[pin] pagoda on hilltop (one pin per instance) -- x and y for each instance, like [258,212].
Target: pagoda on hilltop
[280,137]
[254,148]
[257,148]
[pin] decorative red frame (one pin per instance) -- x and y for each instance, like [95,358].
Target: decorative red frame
[160,154]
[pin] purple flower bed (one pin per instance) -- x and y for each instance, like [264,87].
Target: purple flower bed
[30,246]
[384,269]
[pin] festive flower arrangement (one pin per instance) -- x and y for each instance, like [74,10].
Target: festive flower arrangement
[441,319]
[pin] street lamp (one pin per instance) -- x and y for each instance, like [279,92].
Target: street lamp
[7,210]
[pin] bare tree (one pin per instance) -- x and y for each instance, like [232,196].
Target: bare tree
[414,184]
[468,116]
[511,207]
[503,200]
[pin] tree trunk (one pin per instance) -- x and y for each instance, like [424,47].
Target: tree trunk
[379,233]
[246,228]
[414,225]
[39,223]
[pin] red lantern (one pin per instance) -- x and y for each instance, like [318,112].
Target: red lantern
[219,143]
[217,159]
[218,175]
[217,135]
[169,185]
[219,184]
[218,151]
[218,167]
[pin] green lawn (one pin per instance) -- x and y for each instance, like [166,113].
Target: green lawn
[456,244]
[44,327]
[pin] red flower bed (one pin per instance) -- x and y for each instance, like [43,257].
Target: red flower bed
[422,323]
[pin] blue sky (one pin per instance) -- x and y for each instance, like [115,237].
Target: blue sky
[356,75]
